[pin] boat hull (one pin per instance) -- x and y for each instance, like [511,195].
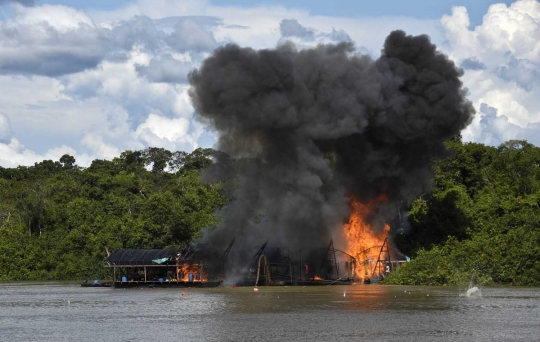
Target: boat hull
[96,285]
[157,284]
[324,282]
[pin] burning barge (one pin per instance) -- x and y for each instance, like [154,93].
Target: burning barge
[268,266]
[368,258]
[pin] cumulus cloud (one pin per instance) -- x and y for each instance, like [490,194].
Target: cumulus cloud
[495,129]
[49,40]
[169,23]
[55,40]
[172,133]
[504,30]
[96,112]
[156,130]
[102,82]
[99,147]
[339,36]
[14,153]
[292,30]
[165,69]
[502,63]
[472,63]
[189,36]
[5,128]
[119,84]
[521,71]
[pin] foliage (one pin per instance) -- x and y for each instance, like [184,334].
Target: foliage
[482,218]
[58,220]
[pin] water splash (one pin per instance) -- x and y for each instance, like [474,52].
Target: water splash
[474,292]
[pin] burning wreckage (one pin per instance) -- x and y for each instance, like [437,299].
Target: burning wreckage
[369,257]
[270,266]
[308,139]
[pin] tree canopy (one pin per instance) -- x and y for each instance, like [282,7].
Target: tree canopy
[482,218]
[58,220]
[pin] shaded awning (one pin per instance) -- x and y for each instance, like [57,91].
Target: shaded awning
[142,257]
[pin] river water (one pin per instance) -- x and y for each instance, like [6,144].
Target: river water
[67,312]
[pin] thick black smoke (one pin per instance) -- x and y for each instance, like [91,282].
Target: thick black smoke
[302,131]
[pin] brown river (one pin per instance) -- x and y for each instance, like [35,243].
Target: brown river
[67,312]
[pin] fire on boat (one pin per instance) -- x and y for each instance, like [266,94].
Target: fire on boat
[366,257]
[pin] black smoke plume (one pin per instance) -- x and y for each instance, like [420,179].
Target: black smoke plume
[301,131]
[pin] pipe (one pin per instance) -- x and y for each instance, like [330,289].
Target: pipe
[259,269]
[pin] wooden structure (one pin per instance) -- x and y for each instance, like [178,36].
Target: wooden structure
[160,268]
[198,266]
[323,267]
[272,266]
[386,262]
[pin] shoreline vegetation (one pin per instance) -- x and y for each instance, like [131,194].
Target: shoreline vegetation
[57,220]
[482,219]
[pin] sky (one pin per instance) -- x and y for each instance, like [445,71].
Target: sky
[95,78]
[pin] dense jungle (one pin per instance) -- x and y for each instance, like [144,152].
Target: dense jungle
[59,220]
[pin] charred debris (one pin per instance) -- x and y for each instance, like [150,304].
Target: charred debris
[199,266]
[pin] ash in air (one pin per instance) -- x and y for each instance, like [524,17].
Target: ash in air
[300,131]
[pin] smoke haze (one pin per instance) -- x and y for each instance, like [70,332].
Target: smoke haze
[300,131]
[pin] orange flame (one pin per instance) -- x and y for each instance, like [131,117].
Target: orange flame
[362,242]
[184,270]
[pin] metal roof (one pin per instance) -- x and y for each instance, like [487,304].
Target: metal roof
[143,257]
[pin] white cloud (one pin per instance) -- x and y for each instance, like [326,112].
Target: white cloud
[494,129]
[172,134]
[189,36]
[58,17]
[154,9]
[501,58]
[291,30]
[49,40]
[13,154]
[54,40]
[5,128]
[165,69]
[99,147]
[95,83]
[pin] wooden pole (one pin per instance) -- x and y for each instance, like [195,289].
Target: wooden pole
[301,265]
[145,274]
[336,265]
[378,263]
[290,265]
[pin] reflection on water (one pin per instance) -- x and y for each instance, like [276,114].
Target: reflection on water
[60,312]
